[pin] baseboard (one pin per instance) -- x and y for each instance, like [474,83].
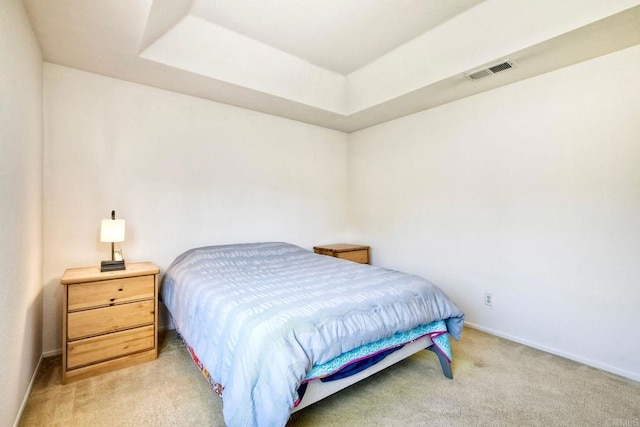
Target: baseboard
[25,399]
[51,353]
[585,361]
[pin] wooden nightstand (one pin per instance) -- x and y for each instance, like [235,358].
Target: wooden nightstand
[109,320]
[355,253]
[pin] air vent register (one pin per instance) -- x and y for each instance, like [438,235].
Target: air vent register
[487,71]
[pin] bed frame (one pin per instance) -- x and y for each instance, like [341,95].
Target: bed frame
[318,390]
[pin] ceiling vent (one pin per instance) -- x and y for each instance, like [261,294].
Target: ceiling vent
[487,71]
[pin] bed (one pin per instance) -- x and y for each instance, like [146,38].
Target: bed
[275,327]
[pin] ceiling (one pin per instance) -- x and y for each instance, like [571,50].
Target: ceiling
[338,35]
[340,64]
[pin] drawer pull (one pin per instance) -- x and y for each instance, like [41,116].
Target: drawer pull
[112,299]
[120,290]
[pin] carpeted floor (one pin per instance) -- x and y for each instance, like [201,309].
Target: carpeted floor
[496,382]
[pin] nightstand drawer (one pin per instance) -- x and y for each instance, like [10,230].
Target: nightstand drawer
[110,292]
[105,347]
[356,256]
[85,323]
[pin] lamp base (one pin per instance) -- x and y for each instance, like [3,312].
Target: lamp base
[111,265]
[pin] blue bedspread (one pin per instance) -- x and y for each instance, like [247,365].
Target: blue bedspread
[261,315]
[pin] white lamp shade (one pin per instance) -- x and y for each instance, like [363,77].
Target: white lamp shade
[112,230]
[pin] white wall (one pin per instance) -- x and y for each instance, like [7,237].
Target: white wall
[530,192]
[20,207]
[182,171]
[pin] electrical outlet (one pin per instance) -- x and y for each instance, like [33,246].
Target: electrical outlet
[488,299]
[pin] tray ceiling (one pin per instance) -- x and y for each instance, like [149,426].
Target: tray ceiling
[341,64]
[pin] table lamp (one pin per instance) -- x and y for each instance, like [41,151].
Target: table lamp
[112,230]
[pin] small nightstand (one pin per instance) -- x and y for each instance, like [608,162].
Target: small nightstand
[109,320]
[355,253]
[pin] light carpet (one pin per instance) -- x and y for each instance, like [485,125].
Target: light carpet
[496,383]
